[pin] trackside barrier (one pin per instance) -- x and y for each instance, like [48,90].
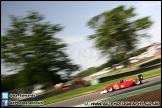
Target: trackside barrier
[151,63]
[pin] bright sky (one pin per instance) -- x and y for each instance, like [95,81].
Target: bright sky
[74,15]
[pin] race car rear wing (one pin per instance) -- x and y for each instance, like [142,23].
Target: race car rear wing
[140,76]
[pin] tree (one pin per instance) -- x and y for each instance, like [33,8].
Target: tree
[116,32]
[87,72]
[9,82]
[30,45]
[139,51]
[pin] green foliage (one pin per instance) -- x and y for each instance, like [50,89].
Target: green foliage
[116,33]
[31,46]
[139,51]
[87,72]
[9,82]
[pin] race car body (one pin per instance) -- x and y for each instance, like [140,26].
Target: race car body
[122,84]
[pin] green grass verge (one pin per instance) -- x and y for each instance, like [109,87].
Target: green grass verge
[98,87]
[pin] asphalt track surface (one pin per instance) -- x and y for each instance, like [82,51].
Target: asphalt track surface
[96,96]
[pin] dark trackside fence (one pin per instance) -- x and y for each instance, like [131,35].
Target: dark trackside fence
[139,71]
[151,63]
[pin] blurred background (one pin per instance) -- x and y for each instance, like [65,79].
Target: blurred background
[51,46]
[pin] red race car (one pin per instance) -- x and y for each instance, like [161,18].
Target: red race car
[123,84]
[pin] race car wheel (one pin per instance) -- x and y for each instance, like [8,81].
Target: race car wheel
[110,89]
[137,82]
